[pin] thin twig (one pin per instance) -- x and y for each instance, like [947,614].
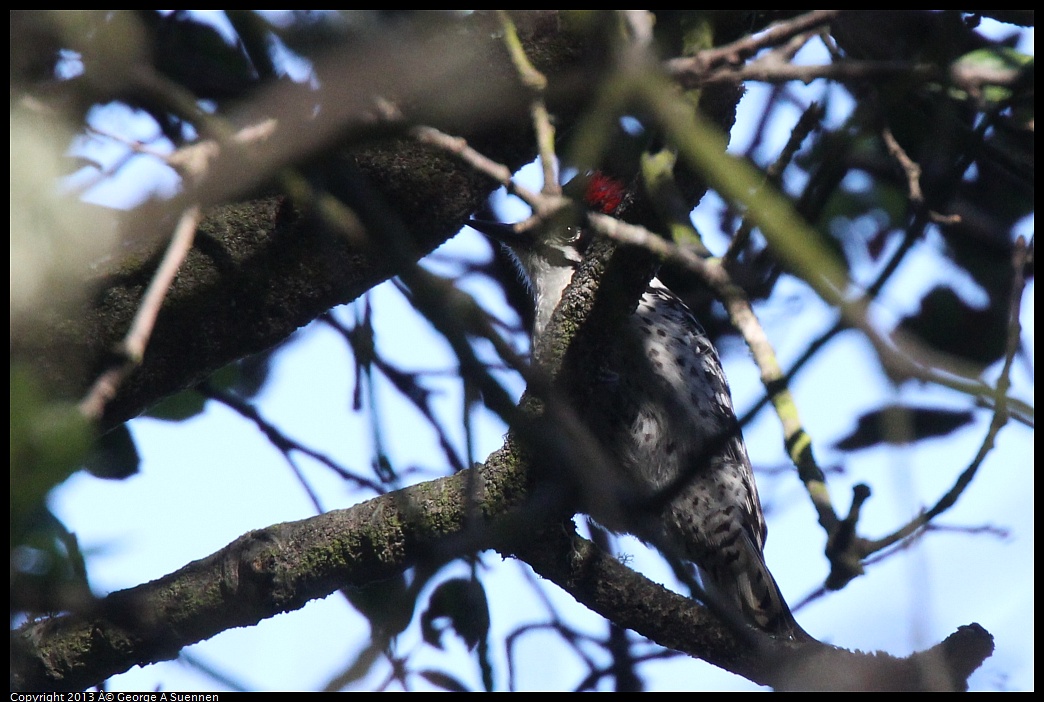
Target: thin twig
[770,70]
[285,444]
[690,69]
[844,71]
[132,348]
[1000,413]
[193,161]
[536,82]
[180,244]
[912,170]
[810,120]
[407,385]
[497,172]
[909,166]
[135,145]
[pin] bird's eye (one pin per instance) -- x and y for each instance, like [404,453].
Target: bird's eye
[579,238]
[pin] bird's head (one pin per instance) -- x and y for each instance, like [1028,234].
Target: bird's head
[550,252]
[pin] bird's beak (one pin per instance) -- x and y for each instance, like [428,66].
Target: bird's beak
[503,233]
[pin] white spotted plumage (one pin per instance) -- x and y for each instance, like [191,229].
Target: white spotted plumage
[664,410]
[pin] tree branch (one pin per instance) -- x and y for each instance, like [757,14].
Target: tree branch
[282,567]
[261,269]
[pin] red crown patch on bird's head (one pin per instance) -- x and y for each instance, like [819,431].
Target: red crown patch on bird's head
[604,193]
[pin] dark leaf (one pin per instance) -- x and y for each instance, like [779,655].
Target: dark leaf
[897,424]
[949,324]
[47,567]
[193,52]
[114,456]
[462,601]
[444,680]
[388,605]
[245,378]
[253,371]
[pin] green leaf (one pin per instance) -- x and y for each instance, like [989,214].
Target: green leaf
[178,407]
[994,60]
[48,442]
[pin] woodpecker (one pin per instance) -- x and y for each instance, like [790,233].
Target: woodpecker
[665,413]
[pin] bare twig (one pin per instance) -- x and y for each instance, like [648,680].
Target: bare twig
[536,82]
[690,70]
[135,145]
[286,445]
[845,71]
[132,348]
[407,384]
[809,121]
[141,329]
[1000,412]
[909,166]
[497,172]
[193,161]
[770,69]
[913,177]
